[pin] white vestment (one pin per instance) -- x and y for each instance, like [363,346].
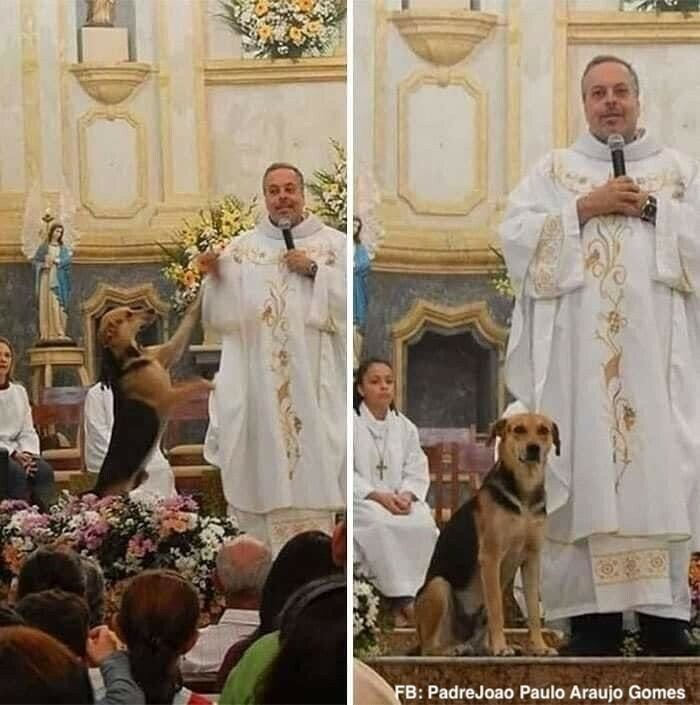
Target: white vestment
[16,424]
[98,417]
[393,550]
[605,340]
[281,384]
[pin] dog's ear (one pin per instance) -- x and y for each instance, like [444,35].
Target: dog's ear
[498,428]
[106,333]
[555,438]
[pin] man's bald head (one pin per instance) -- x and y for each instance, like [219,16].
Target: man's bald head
[242,566]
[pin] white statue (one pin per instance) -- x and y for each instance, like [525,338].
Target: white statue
[49,243]
[100,13]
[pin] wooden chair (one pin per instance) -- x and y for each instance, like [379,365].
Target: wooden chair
[456,471]
[58,419]
[193,474]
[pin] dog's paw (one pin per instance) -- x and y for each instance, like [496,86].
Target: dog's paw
[504,650]
[541,650]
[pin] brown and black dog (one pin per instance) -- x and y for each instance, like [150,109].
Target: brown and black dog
[459,609]
[143,392]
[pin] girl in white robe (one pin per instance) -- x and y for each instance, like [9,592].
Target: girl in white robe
[394,530]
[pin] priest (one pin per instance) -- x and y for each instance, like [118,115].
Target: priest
[606,340]
[277,296]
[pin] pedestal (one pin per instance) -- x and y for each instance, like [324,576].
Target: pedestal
[43,360]
[105,45]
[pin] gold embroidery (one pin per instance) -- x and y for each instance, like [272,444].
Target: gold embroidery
[257,255]
[274,316]
[546,260]
[632,565]
[668,179]
[602,261]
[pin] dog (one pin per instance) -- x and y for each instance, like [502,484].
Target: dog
[143,392]
[459,608]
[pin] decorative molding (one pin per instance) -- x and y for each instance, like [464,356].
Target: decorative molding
[443,37]
[380,113]
[560,75]
[141,199]
[633,28]
[513,54]
[164,102]
[242,72]
[110,84]
[31,92]
[414,251]
[480,150]
[200,99]
[424,315]
[106,297]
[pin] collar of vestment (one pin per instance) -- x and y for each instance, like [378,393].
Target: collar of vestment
[377,426]
[643,147]
[309,226]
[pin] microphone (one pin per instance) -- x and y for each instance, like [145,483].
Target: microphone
[616,143]
[285,225]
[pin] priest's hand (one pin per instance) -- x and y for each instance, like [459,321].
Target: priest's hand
[101,643]
[389,500]
[298,261]
[208,263]
[27,462]
[619,196]
[405,500]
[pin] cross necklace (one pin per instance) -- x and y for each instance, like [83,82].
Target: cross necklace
[381,466]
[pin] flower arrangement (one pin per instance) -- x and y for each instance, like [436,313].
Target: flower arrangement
[214,228]
[330,188]
[365,614]
[285,28]
[500,279]
[124,535]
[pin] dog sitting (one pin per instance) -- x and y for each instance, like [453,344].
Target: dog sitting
[143,392]
[459,608]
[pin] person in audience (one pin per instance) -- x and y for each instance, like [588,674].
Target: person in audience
[65,616]
[310,666]
[394,531]
[304,557]
[48,568]
[9,617]
[99,419]
[36,668]
[94,590]
[23,473]
[242,566]
[158,623]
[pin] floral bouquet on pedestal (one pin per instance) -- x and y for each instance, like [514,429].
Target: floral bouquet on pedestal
[285,29]
[125,536]
[330,188]
[213,230]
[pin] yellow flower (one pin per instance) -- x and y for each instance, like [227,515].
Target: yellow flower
[261,8]
[312,28]
[189,279]
[264,32]
[295,35]
[304,5]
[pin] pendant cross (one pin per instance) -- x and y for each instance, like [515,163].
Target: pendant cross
[381,466]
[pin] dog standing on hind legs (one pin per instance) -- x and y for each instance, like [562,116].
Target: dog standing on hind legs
[143,392]
[459,609]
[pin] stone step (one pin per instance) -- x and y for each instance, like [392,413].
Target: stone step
[400,642]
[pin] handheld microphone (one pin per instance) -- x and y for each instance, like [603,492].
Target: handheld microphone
[285,225]
[616,143]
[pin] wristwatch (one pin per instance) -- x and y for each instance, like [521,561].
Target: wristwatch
[649,210]
[311,271]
